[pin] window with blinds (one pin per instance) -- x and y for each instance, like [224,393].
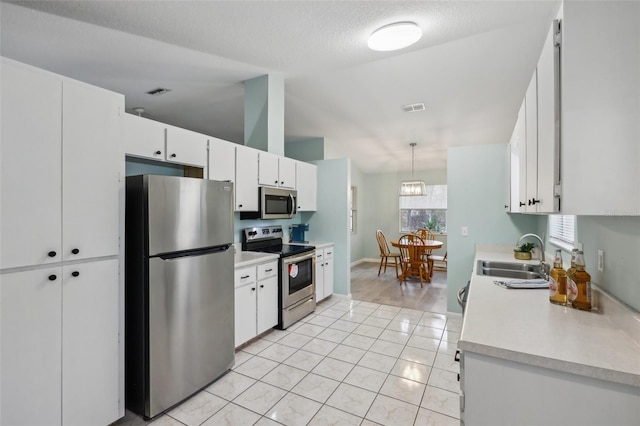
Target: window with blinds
[428,211]
[562,231]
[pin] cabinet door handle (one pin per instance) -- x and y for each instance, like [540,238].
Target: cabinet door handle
[522,204]
[173,155]
[282,183]
[456,357]
[261,285]
[268,270]
[158,152]
[246,276]
[534,201]
[75,273]
[75,251]
[52,277]
[239,205]
[253,289]
[276,182]
[52,254]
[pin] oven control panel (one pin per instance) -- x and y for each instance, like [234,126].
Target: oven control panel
[260,233]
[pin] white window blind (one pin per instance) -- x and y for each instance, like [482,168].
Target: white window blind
[562,228]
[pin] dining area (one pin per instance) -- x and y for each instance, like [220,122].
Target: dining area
[412,255]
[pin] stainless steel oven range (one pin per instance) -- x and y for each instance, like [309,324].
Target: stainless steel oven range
[296,276]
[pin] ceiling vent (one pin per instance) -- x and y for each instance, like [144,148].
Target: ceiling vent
[413,107]
[159,91]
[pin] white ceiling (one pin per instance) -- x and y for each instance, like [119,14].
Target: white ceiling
[470,68]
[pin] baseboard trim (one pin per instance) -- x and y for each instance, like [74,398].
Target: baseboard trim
[454,315]
[365,259]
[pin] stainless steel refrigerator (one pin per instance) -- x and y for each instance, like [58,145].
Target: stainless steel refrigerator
[179,293]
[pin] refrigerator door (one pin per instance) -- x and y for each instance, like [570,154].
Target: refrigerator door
[191,325]
[187,213]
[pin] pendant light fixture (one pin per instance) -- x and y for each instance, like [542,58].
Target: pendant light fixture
[412,187]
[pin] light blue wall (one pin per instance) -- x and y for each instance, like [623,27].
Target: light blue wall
[619,238]
[306,150]
[477,178]
[264,113]
[138,166]
[359,236]
[331,222]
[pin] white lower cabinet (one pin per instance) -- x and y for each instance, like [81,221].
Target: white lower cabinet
[523,394]
[59,344]
[324,273]
[256,300]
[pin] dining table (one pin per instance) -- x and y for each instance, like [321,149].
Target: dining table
[426,247]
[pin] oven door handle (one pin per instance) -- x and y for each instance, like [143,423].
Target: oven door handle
[295,259]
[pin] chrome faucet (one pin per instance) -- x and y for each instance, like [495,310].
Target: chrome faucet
[543,266]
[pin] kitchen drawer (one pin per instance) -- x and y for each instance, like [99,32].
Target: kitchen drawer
[267,270]
[328,253]
[245,276]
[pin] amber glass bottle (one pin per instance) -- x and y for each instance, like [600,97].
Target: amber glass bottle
[558,282]
[583,285]
[572,290]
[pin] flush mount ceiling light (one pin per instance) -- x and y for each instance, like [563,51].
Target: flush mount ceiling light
[394,36]
[412,187]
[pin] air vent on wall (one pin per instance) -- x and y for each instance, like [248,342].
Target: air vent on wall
[413,107]
[158,91]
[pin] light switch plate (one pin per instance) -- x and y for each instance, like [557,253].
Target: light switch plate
[600,261]
[464,231]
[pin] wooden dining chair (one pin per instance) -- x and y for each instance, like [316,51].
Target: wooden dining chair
[411,257]
[386,254]
[442,262]
[425,234]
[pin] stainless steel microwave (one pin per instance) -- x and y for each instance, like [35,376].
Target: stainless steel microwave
[274,203]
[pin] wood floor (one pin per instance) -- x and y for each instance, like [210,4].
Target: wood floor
[367,286]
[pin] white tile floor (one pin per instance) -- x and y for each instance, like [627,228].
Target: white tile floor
[349,363]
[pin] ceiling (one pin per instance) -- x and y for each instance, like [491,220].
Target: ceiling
[470,69]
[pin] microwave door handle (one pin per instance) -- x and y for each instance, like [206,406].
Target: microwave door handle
[293,206]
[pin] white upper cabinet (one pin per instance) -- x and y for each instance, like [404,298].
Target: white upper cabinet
[246,184]
[518,162]
[158,141]
[67,135]
[535,152]
[31,171]
[222,160]
[267,169]
[186,147]
[92,129]
[275,170]
[306,185]
[548,104]
[286,172]
[600,108]
[143,137]
[531,142]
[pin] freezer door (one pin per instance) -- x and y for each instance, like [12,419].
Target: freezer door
[191,325]
[188,213]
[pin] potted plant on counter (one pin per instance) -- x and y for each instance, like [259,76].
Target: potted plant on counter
[523,252]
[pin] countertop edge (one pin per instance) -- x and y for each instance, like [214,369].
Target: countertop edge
[593,372]
[265,257]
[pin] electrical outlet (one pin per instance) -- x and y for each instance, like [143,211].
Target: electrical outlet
[600,261]
[464,231]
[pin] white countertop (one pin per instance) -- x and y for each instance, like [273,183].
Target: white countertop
[523,326]
[248,258]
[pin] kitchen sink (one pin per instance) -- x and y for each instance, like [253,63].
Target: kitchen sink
[515,270]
